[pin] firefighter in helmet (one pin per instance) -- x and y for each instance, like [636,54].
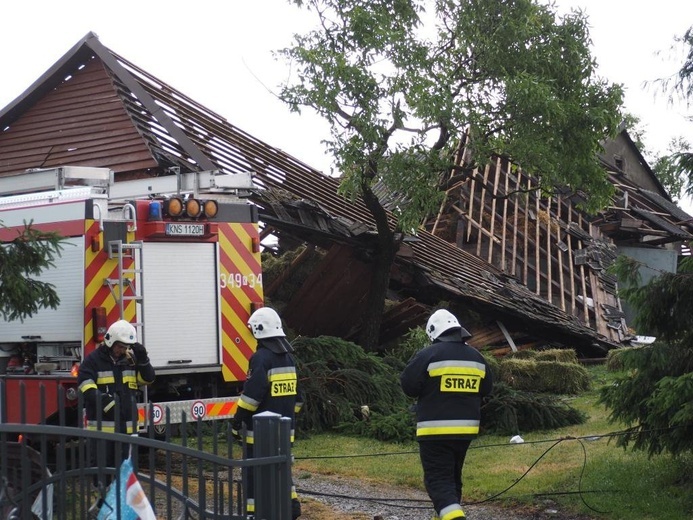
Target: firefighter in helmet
[109,379]
[449,378]
[272,363]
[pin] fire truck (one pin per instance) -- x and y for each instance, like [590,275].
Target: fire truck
[178,256]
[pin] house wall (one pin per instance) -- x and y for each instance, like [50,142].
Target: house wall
[653,262]
[620,152]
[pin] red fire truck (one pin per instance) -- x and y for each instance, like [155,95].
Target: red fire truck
[177,255]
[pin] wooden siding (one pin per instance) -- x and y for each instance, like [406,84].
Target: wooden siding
[82,122]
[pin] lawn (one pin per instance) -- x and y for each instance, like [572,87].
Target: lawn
[579,467]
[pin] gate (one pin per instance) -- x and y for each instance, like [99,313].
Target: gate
[58,471]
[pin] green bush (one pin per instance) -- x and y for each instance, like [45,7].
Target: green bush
[409,344]
[544,376]
[522,354]
[557,354]
[398,426]
[562,378]
[338,378]
[520,374]
[493,364]
[510,411]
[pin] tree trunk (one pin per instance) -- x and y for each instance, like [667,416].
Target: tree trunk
[388,244]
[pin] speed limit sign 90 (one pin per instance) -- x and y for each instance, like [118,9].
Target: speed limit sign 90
[198,410]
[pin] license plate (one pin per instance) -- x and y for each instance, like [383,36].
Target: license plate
[185,230]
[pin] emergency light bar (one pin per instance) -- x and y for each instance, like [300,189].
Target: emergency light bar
[190,207]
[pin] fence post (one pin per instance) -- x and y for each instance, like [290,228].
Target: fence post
[272,483]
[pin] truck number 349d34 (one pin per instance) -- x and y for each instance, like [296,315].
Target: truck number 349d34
[232,280]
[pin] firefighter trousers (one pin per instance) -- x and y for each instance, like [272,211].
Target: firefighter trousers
[249,486]
[442,462]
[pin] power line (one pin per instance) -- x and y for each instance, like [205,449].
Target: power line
[395,502]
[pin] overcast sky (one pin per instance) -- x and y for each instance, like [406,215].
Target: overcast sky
[218,52]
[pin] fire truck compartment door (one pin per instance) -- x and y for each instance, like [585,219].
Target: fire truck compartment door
[66,323]
[180,294]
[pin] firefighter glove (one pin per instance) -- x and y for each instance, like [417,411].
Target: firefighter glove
[140,354]
[236,427]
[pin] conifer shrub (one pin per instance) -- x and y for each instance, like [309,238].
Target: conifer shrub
[614,359]
[338,378]
[510,412]
[413,341]
[493,364]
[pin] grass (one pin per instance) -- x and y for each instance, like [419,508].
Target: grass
[577,467]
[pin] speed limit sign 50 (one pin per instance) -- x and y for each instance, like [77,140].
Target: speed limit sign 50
[157,413]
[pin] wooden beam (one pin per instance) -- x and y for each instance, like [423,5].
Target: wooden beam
[508,338]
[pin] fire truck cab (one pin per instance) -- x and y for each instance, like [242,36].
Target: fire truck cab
[178,256]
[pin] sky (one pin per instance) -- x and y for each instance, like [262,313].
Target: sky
[219,53]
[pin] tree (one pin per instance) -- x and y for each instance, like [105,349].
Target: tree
[654,394]
[667,168]
[21,259]
[680,85]
[400,81]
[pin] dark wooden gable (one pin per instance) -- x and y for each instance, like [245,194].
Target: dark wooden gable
[81,122]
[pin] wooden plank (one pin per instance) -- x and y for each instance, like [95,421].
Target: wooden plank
[559,254]
[549,255]
[470,211]
[571,262]
[482,208]
[516,211]
[583,282]
[506,202]
[508,338]
[525,263]
[494,201]
[537,245]
[482,231]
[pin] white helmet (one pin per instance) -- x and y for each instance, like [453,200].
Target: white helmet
[439,322]
[266,323]
[121,331]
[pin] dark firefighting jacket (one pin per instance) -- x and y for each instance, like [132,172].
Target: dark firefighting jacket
[271,385]
[449,379]
[103,382]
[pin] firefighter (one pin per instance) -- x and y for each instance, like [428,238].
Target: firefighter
[109,379]
[449,379]
[271,385]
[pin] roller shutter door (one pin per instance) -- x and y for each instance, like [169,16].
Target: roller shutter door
[180,311]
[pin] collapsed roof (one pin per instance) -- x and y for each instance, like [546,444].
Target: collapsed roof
[95,108]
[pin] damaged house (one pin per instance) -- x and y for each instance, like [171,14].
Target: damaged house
[555,250]
[532,268]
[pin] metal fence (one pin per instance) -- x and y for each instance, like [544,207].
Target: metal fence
[58,470]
